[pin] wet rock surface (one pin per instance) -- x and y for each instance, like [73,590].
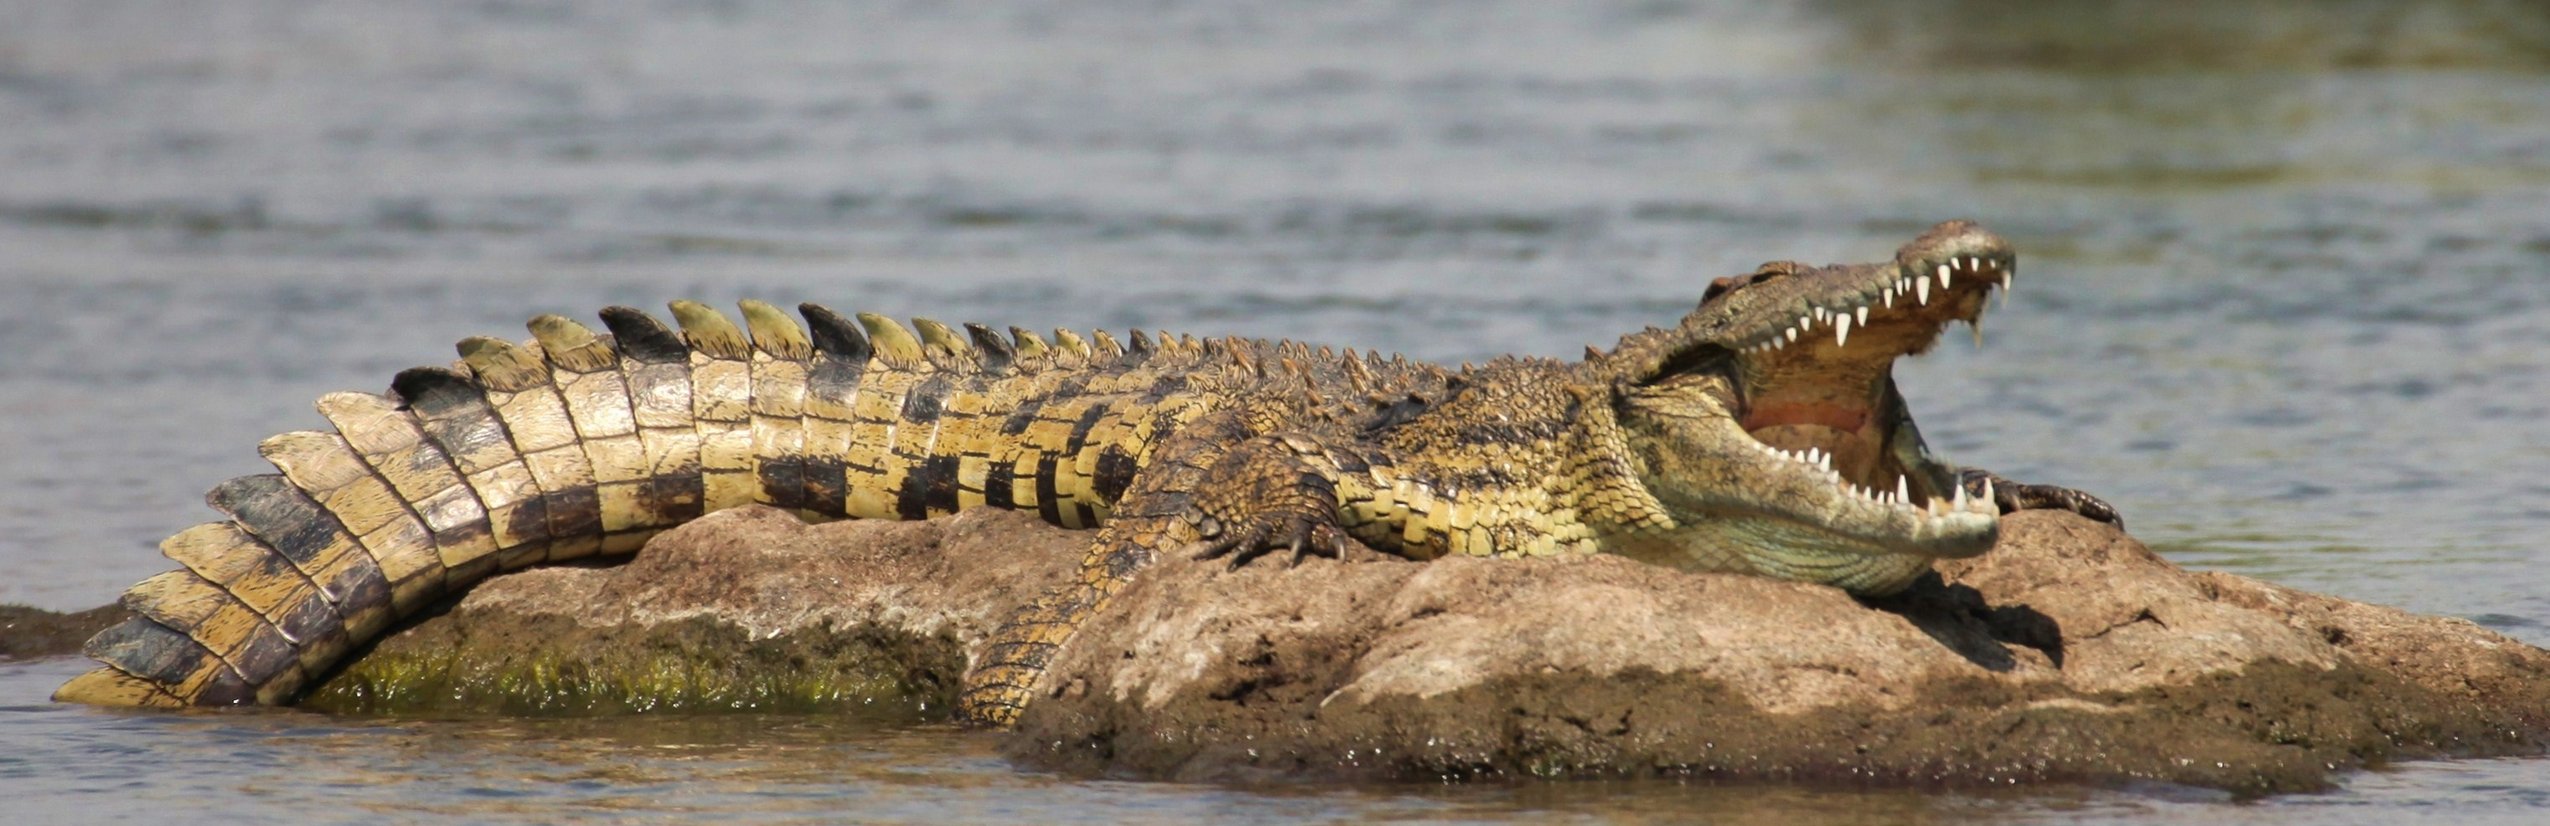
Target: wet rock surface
[27,632]
[2069,653]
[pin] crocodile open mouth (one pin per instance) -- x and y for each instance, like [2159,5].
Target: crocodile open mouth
[1818,390]
[1768,427]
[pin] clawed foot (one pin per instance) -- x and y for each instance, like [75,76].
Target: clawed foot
[1306,534]
[1264,497]
[2013,496]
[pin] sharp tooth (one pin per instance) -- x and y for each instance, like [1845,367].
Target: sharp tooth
[1943,276]
[1792,334]
[1974,264]
[1841,330]
[1977,324]
[1903,492]
[1890,298]
[1821,313]
[1824,460]
[1960,503]
[1921,290]
[1863,316]
[1988,499]
[1806,322]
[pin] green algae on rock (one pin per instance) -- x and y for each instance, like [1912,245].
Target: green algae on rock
[546,664]
[746,610]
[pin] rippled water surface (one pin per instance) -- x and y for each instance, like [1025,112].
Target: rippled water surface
[2285,295]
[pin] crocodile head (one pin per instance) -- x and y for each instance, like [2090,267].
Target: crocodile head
[1768,427]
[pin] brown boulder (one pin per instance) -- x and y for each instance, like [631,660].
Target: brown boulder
[28,632]
[2069,653]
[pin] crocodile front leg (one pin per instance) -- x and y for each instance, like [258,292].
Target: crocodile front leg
[1269,494]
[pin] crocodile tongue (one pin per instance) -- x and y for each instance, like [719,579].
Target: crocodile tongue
[1834,417]
[1841,431]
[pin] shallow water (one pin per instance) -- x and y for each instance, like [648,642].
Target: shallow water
[2283,294]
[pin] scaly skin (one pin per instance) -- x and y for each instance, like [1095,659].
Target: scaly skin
[1702,446]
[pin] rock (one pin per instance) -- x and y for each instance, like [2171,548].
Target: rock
[744,609]
[27,632]
[2069,653]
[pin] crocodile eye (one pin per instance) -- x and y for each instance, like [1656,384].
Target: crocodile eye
[1768,271]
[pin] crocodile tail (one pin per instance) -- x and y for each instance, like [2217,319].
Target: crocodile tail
[570,445]
[579,443]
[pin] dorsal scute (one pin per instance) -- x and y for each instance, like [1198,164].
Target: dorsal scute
[710,331]
[943,347]
[502,365]
[834,336]
[946,349]
[894,346]
[1031,347]
[571,345]
[1357,377]
[991,351]
[773,332]
[1070,349]
[435,388]
[639,337]
[1103,346]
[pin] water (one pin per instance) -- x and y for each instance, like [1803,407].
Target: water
[2282,300]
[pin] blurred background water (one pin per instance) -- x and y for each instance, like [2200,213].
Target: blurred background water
[2284,299]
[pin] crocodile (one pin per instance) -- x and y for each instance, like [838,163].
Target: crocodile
[1763,433]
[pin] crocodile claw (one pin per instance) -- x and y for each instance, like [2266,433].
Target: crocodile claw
[1304,536]
[2015,496]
